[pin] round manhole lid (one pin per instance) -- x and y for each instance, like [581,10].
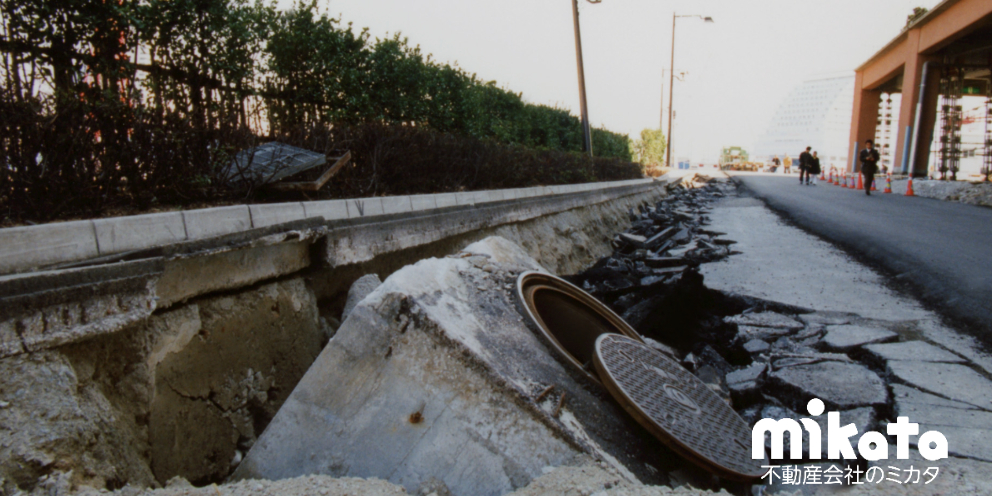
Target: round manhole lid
[678,408]
[568,319]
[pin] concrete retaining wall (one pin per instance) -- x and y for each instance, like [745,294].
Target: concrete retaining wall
[142,316]
[26,248]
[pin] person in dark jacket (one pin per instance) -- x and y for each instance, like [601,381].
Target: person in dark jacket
[814,170]
[869,164]
[804,162]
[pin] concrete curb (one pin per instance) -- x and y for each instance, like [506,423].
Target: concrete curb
[27,248]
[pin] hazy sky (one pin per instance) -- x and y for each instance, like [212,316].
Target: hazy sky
[740,67]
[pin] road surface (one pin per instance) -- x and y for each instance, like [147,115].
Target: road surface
[941,251]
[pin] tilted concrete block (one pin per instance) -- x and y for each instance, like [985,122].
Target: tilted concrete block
[329,209]
[276,213]
[210,222]
[34,246]
[435,374]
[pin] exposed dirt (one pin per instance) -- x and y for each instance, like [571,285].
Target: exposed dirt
[183,394]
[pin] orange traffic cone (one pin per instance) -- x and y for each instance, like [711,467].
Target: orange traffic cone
[823,177]
[860,184]
[831,178]
[843,182]
[909,187]
[888,183]
[873,188]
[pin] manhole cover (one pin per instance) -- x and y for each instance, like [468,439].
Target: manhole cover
[676,407]
[568,318]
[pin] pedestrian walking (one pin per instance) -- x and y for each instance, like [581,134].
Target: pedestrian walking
[814,170]
[787,163]
[869,164]
[804,164]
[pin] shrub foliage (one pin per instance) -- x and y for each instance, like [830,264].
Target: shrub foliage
[124,106]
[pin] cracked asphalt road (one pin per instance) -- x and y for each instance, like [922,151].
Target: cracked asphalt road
[939,250]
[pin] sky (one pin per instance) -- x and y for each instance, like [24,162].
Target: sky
[740,67]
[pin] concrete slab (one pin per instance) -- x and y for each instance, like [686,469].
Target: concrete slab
[831,382]
[209,222]
[396,204]
[364,207]
[135,232]
[766,319]
[752,373]
[907,395]
[33,246]
[950,380]
[828,318]
[846,337]
[328,209]
[435,374]
[747,332]
[757,346]
[275,213]
[913,350]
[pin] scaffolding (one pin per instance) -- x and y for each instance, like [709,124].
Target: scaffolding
[883,132]
[987,152]
[951,85]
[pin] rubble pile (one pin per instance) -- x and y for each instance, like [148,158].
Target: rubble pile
[765,358]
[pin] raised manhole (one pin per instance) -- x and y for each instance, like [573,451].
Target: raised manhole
[568,318]
[678,408]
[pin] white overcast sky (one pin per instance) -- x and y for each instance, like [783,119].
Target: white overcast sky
[740,67]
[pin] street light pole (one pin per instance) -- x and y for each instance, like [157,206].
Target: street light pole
[671,80]
[671,84]
[586,132]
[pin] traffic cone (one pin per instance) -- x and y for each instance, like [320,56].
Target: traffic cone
[873,188]
[860,184]
[831,178]
[909,187]
[822,176]
[888,183]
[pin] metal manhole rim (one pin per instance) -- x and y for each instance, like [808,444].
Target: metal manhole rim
[670,439]
[555,283]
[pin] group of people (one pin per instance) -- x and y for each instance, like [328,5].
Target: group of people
[809,165]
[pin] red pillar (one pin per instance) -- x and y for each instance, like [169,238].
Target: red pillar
[863,119]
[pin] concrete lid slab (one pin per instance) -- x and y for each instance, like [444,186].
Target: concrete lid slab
[396,204]
[364,207]
[209,222]
[949,380]
[33,246]
[913,350]
[268,214]
[135,232]
[328,209]
[845,337]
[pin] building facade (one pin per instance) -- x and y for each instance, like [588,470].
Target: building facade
[815,113]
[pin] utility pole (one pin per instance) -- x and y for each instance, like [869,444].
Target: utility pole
[587,133]
[671,82]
